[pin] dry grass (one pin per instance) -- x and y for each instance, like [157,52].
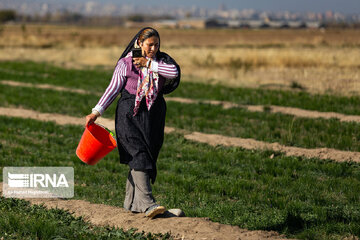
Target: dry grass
[317,60]
[56,36]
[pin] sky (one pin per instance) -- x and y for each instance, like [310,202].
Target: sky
[343,6]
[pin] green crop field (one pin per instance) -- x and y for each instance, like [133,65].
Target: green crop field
[97,81]
[259,190]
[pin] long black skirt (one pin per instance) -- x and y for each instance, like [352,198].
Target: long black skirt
[140,137]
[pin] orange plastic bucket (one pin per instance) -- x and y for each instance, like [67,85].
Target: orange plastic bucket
[95,143]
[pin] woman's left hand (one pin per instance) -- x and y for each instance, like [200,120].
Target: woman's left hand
[140,62]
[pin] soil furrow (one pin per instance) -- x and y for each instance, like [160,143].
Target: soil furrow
[298,112]
[212,139]
[178,227]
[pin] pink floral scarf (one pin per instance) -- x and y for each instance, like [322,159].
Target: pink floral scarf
[147,87]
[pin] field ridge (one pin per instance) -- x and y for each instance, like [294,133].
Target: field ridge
[212,139]
[297,112]
[178,227]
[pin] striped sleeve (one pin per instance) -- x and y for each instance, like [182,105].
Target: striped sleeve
[111,92]
[166,70]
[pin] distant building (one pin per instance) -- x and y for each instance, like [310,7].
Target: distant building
[277,24]
[197,23]
[234,23]
[296,24]
[216,23]
[200,23]
[253,23]
[313,24]
[166,24]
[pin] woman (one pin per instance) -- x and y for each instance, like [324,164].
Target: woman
[140,114]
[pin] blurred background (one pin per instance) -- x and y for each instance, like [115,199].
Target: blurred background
[308,45]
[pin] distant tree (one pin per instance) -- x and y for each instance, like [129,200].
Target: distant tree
[7,15]
[136,18]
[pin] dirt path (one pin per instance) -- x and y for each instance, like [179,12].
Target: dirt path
[212,139]
[247,143]
[43,86]
[226,105]
[298,112]
[179,227]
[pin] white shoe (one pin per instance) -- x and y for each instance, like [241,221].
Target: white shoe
[154,211]
[176,212]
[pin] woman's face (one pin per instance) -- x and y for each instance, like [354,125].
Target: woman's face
[150,46]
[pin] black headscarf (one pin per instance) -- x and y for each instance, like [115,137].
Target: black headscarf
[170,84]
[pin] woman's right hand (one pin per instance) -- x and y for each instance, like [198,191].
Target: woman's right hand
[90,119]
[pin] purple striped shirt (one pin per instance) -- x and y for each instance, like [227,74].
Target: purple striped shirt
[126,74]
